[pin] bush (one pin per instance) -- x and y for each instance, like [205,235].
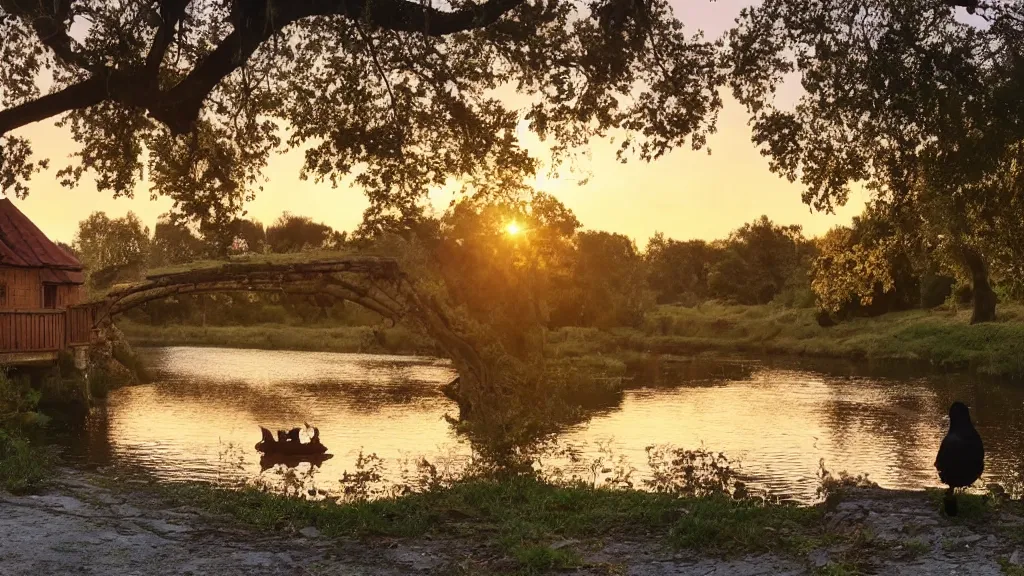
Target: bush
[691,473]
[935,290]
[23,467]
[18,403]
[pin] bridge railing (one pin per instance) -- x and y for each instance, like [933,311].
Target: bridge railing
[79,325]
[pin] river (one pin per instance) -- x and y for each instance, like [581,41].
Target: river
[199,419]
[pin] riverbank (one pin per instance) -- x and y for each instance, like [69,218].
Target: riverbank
[933,339]
[343,339]
[110,525]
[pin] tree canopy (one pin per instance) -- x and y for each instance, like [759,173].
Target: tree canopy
[911,98]
[291,233]
[396,95]
[110,247]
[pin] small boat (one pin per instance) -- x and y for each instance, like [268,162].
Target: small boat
[288,444]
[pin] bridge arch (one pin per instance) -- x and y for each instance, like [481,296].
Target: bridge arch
[376,283]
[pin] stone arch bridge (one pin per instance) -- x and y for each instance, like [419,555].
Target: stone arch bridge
[376,283]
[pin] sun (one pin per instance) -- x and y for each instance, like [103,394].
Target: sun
[513,228]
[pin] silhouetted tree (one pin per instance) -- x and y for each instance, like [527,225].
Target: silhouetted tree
[251,233]
[174,243]
[511,280]
[290,233]
[610,281]
[395,94]
[921,105]
[757,261]
[679,270]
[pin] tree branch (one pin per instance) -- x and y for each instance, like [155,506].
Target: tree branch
[49,20]
[171,12]
[404,16]
[254,22]
[77,96]
[380,70]
[971,5]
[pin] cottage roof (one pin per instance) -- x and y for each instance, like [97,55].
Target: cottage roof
[24,245]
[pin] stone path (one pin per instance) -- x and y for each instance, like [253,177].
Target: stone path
[81,528]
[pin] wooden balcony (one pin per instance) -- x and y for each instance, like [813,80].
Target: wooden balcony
[33,336]
[79,325]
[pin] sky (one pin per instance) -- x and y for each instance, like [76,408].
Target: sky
[685,194]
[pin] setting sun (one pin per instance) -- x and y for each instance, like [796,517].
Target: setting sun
[513,228]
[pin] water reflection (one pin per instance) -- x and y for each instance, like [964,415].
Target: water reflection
[200,419]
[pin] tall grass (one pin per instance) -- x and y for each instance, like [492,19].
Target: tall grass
[521,512]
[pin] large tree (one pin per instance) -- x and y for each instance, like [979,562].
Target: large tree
[174,243]
[609,278]
[110,248]
[397,95]
[757,261]
[507,264]
[915,99]
[678,270]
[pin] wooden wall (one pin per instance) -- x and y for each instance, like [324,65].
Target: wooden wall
[25,290]
[69,294]
[79,325]
[26,328]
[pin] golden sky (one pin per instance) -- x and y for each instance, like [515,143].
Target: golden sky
[685,194]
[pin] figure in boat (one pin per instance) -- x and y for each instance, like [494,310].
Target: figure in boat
[289,444]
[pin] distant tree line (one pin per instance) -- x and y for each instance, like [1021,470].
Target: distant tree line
[105,244]
[115,250]
[524,264]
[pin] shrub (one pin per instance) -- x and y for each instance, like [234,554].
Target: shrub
[23,467]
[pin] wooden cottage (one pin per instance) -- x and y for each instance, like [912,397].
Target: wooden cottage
[39,283]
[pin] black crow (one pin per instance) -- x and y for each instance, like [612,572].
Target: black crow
[961,458]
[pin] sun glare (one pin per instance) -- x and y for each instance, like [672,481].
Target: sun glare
[513,228]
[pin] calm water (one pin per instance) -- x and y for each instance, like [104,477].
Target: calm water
[199,419]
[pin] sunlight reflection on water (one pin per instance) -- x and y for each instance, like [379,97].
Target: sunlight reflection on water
[199,419]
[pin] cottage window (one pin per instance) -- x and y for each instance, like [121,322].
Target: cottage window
[49,295]
[3,294]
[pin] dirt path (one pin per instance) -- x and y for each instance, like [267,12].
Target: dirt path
[80,527]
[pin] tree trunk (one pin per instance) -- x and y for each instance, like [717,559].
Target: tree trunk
[984,296]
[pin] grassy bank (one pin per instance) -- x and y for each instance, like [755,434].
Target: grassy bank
[355,339]
[522,525]
[532,525]
[939,338]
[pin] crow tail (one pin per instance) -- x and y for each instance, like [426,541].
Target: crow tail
[949,503]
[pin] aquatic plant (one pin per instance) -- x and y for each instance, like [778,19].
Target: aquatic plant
[694,473]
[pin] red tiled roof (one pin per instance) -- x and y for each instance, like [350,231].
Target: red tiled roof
[24,245]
